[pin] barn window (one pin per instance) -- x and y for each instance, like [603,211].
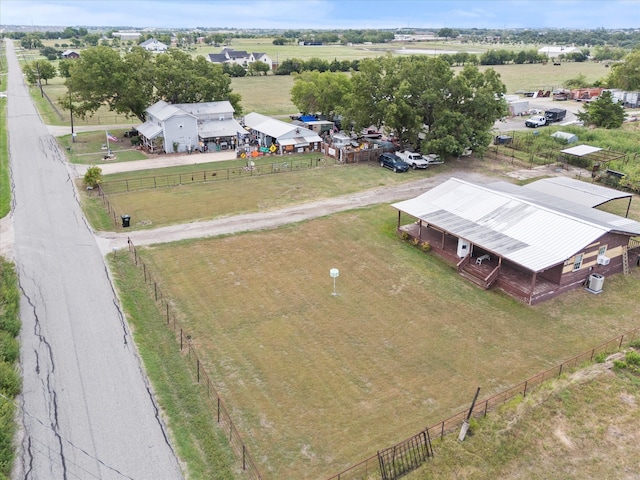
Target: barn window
[602,250]
[577,263]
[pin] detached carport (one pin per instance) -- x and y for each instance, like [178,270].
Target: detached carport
[596,155]
[584,193]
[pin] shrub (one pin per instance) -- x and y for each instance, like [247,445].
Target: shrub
[426,246]
[93,177]
[404,236]
[633,358]
[9,347]
[10,382]
[415,241]
[600,358]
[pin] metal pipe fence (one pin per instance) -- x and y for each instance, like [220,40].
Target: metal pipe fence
[369,469]
[288,164]
[222,416]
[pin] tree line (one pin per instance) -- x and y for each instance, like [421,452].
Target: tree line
[418,98]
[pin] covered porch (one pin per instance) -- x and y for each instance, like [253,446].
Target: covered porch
[482,267]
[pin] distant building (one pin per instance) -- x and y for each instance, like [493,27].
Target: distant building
[556,50]
[70,54]
[240,57]
[127,36]
[154,45]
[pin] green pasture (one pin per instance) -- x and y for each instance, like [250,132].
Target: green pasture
[317,382]
[270,95]
[153,208]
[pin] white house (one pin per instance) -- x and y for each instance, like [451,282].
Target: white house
[554,51]
[184,127]
[240,57]
[169,127]
[154,45]
[285,137]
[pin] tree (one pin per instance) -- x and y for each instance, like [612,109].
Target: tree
[93,176]
[603,112]
[315,92]
[258,68]
[421,100]
[179,78]
[101,77]
[130,84]
[626,75]
[46,70]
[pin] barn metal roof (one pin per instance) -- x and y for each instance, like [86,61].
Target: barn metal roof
[521,225]
[577,191]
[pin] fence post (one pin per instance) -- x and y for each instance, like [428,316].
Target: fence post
[218,398]
[144,270]
[167,313]
[155,289]
[524,393]
[244,465]
[180,338]
[621,339]
[198,369]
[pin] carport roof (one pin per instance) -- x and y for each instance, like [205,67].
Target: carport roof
[577,191]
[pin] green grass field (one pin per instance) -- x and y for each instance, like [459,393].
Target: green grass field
[270,95]
[317,382]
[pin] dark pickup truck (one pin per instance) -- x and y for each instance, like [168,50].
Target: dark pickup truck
[555,114]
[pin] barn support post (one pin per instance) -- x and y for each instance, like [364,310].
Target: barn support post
[628,207]
[399,217]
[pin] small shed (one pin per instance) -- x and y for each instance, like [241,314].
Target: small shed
[565,137]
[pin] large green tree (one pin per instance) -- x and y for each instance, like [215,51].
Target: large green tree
[179,78]
[603,112]
[315,92]
[130,84]
[425,104]
[626,75]
[101,77]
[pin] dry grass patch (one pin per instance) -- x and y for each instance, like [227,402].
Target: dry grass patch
[317,382]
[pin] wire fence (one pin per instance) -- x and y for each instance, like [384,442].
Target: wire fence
[369,469]
[216,404]
[289,164]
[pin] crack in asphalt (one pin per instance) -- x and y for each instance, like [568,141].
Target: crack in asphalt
[49,390]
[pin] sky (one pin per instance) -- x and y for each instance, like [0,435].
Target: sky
[324,14]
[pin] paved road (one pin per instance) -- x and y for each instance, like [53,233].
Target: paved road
[87,409]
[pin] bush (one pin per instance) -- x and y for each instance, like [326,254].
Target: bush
[600,358]
[9,347]
[10,381]
[93,177]
[426,246]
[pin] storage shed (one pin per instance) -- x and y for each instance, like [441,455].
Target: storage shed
[565,137]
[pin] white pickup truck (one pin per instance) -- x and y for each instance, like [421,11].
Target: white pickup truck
[536,121]
[415,160]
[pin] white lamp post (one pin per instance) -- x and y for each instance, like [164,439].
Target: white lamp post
[335,273]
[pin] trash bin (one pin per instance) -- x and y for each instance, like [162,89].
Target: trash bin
[126,219]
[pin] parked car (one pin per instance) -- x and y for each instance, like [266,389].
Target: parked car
[393,162]
[434,159]
[415,160]
[536,121]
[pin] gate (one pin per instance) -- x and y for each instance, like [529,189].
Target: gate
[405,457]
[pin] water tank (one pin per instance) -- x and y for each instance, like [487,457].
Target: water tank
[595,282]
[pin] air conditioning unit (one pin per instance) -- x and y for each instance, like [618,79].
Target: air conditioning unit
[603,260]
[596,281]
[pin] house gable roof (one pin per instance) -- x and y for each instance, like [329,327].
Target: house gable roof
[206,108]
[518,224]
[163,111]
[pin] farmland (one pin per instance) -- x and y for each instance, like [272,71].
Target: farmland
[316,382]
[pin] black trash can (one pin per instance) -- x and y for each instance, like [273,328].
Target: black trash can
[126,219]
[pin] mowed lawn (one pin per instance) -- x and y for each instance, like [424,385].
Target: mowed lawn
[316,382]
[204,201]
